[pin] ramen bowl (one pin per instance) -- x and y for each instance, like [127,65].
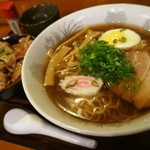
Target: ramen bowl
[34,66]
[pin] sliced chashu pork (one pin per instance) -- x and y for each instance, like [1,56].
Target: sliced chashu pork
[141,96]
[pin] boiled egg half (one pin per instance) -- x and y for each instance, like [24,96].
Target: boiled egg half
[121,38]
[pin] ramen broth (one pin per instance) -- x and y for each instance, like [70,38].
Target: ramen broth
[103,107]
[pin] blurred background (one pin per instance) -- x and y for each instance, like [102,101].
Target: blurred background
[65,6]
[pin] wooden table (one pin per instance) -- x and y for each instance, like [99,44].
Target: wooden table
[132,142]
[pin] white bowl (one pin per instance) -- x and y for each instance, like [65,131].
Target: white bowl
[32,72]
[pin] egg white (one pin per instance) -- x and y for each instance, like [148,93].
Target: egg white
[121,38]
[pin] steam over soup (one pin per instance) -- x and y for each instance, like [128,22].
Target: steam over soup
[101,73]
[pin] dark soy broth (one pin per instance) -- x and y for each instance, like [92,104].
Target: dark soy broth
[104,107]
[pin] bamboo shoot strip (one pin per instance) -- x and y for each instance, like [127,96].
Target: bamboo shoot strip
[49,76]
[70,40]
[90,35]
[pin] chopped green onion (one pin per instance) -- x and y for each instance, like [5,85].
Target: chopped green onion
[104,61]
[72,85]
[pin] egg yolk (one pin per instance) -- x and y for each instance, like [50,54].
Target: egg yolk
[121,38]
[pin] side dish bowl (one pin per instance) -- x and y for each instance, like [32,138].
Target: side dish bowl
[38,17]
[34,65]
[10,87]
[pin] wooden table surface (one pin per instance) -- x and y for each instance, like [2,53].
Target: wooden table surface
[133,142]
